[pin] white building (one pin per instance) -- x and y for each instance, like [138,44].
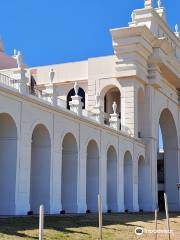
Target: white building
[61,150]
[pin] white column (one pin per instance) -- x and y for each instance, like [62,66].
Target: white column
[151,148]
[23,175]
[123,112]
[120,179]
[82,206]
[129,107]
[103,176]
[135,184]
[56,162]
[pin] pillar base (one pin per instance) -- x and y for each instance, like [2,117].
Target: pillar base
[76,105]
[115,121]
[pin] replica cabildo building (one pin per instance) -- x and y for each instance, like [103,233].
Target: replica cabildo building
[71,131]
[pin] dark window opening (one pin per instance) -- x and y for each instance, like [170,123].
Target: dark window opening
[71,93]
[105,104]
[160,169]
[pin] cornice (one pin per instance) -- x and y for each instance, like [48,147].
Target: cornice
[141,31]
[152,15]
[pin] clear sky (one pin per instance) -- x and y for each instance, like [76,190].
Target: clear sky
[56,31]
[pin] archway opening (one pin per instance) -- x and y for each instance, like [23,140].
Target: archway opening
[40,169]
[112,95]
[69,174]
[112,179]
[141,112]
[8,162]
[81,93]
[167,161]
[92,176]
[142,180]
[128,182]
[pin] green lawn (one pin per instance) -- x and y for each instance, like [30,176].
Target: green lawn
[80,227]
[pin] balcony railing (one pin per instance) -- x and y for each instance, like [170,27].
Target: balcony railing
[61,103]
[39,94]
[8,81]
[88,114]
[15,84]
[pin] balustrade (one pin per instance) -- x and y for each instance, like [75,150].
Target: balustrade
[76,104]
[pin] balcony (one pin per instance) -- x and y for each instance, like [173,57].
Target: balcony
[18,86]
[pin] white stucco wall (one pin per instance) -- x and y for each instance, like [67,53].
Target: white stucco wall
[80,166]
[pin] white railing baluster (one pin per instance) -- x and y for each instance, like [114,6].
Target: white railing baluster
[8,81]
[48,98]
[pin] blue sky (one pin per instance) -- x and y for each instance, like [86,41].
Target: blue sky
[57,31]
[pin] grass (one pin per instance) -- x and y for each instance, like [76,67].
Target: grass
[81,227]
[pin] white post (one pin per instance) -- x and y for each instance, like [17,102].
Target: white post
[76,104]
[21,80]
[97,113]
[50,92]
[167,215]
[156,224]
[114,119]
[100,215]
[97,110]
[41,222]
[148,3]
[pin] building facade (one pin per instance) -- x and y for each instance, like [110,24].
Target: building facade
[71,131]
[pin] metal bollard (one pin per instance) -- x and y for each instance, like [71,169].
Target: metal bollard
[41,222]
[156,224]
[167,215]
[100,216]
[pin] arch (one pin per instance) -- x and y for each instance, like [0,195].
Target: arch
[104,89]
[141,112]
[34,124]
[172,114]
[169,160]
[69,174]
[81,93]
[142,183]
[92,176]
[113,94]
[8,163]
[40,169]
[89,139]
[128,181]
[109,95]
[112,179]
